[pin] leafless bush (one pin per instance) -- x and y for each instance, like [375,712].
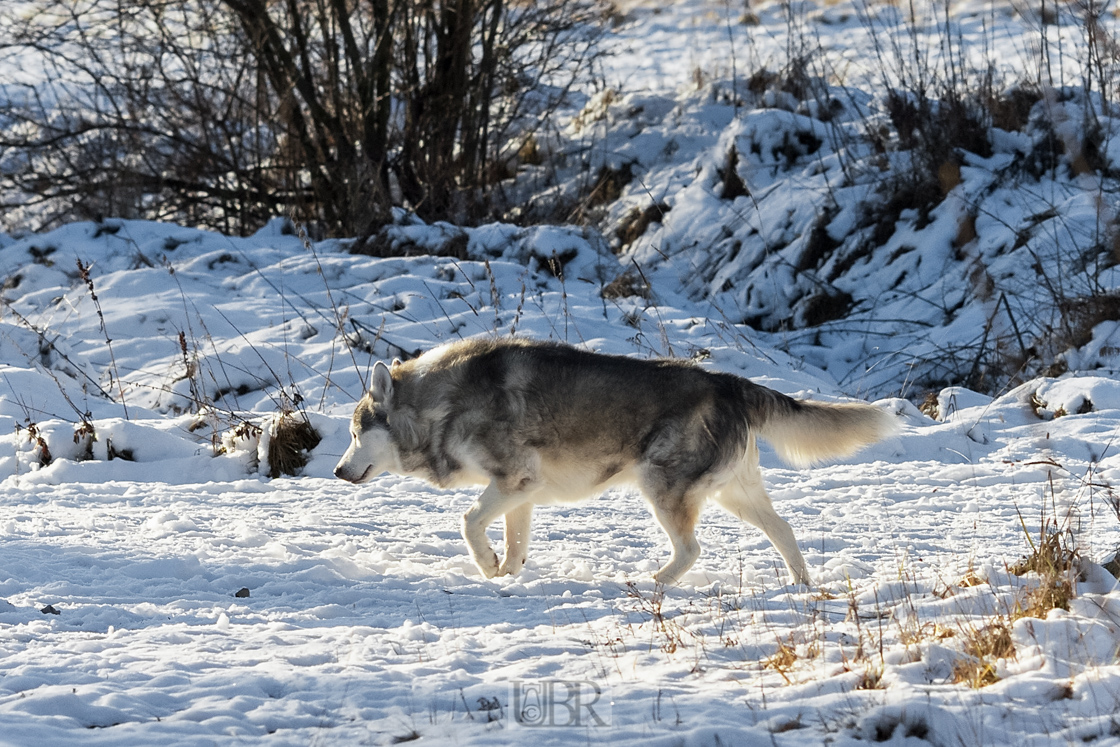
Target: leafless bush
[135,110]
[224,113]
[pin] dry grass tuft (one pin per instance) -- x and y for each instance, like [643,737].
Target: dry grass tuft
[609,184]
[733,184]
[1052,593]
[292,437]
[913,634]
[627,285]
[970,579]
[1054,557]
[930,406]
[636,222]
[985,647]
[783,660]
[871,679]
[1113,566]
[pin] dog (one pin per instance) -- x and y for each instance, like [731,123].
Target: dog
[543,422]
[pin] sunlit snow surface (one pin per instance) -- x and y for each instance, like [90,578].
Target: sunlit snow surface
[366,622]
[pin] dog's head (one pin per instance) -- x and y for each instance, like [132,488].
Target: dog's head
[372,450]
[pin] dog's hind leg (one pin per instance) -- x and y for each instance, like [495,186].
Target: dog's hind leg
[745,497]
[489,506]
[518,523]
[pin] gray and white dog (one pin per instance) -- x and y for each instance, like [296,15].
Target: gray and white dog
[541,422]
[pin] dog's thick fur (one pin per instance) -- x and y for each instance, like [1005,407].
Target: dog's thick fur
[541,422]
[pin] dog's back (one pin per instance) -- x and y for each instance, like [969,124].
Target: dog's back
[559,398]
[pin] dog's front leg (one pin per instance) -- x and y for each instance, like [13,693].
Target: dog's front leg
[489,506]
[518,523]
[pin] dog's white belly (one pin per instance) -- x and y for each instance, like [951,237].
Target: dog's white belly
[465,478]
[566,481]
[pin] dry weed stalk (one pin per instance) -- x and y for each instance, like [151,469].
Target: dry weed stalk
[83,271]
[672,632]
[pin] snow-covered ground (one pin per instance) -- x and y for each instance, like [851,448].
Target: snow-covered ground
[365,620]
[157,587]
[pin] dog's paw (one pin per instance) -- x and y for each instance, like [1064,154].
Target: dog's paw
[666,577]
[488,564]
[799,577]
[511,566]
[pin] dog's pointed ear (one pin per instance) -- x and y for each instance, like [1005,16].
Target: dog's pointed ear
[396,363]
[381,383]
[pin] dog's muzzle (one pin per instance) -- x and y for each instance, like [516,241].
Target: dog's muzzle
[340,473]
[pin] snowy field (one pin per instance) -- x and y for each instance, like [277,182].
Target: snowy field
[157,587]
[365,620]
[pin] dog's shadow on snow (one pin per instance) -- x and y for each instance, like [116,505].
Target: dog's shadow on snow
[94,589]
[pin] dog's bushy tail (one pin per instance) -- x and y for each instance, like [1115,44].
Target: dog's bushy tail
[805,433]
